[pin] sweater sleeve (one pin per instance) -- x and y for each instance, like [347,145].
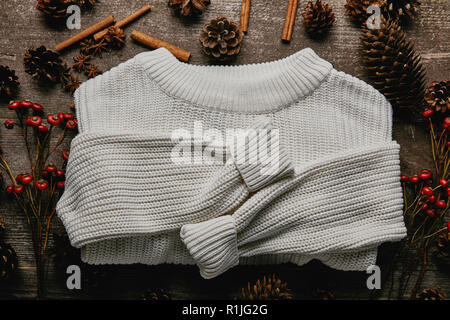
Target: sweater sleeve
[130,184]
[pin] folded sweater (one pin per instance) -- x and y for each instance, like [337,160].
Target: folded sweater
[309,170]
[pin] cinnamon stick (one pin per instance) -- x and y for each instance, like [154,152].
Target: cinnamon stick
[288,27]
[122,23]
[154,43]
[86,33]
[245,14]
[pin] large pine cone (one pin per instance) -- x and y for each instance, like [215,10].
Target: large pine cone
[56,9]
[393,66]
[45,65]
[318,17]
[187,8]
[438,96]
[431,294]
[221,38]
[8,82]
[270,288]
[8,260]
[443,248]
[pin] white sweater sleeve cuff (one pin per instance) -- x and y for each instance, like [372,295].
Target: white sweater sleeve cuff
[259,156]
[212,244]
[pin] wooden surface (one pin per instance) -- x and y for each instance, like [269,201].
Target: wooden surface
[21,27]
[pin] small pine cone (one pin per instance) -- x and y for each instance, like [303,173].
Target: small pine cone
[393,66]
[114,38]
[357,10]
[188,8]
[159,294]
[85,3]
[8,261]
[324,295]
[438,96]
[8,82]
[44,65]
[443,248]
[318,17]
[221,39]
[54,9]
[402,10]
[431,294]
[270,288]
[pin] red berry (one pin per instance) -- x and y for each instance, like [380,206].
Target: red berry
[34,121]
[41,184]
[65,154]
[427,113]
[447,121]
[50,168]
[424,207]
[37,107]
[26,103]
[68,116]
[18,189]
[443,183]
[427,191]
[448,225]
[9,124]
[432,199]
[72,124]
[424,175]
[14,105]
[448,191]
[430,213]
[447,144]
[61,184]
[9,189]
[61,117]
[44,173]
[404,178]
[26,179]
[42,128]
[60,173]
[414,179]
[53,120]
[441,204]
[19,178]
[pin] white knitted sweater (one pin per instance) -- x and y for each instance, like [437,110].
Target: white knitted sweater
[334,194]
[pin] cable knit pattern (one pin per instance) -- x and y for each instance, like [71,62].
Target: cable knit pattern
[128,201]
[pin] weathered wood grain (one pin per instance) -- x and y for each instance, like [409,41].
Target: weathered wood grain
[21,27]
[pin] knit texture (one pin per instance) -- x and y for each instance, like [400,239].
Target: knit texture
[324,185]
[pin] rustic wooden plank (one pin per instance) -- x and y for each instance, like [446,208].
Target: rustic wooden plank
[21,27]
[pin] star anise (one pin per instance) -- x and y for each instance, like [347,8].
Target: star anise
[115,38]
[81,62]
[99,47]
[92,71]
[73,84]
[86,46]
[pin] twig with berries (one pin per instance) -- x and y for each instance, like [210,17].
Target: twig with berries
[426,202]
[38,191]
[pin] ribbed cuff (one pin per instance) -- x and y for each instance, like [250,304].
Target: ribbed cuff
[212,244]
[259,157]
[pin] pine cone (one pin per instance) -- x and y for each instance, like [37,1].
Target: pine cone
[403,10]
[325,295]
[114,38]
[357,10]
[438,96]
[55,9]
[187,8]
[443,248]
[159,294]
[431,294]
[270,288]
[8,260]
[45,65]
[393,66]
[8,82]
[2,228]
[85,3]
[319,18]
[221,39]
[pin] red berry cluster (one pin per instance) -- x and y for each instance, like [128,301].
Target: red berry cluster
[432,201]
[66,120]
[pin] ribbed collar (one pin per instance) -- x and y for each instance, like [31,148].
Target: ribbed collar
[261,87]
